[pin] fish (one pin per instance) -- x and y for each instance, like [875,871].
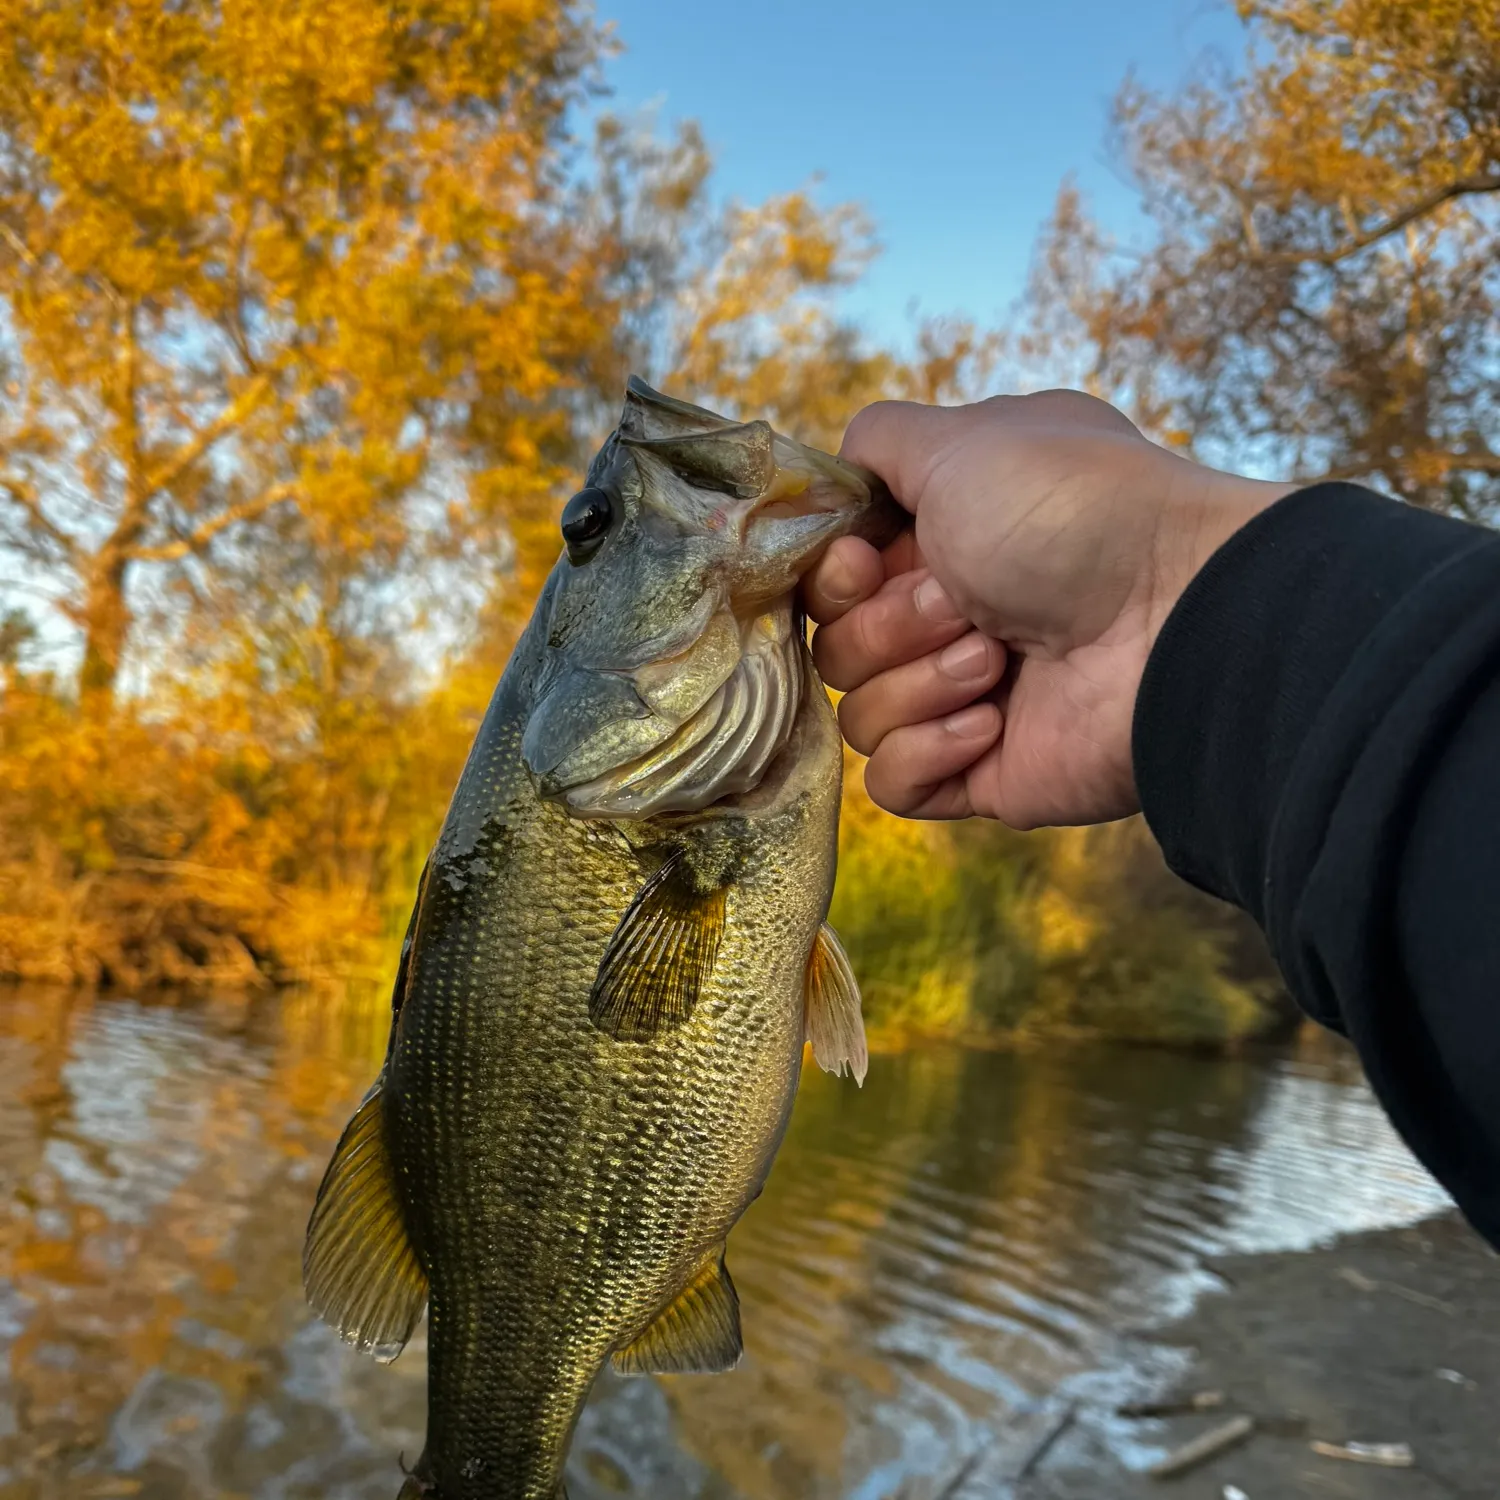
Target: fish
[617,954]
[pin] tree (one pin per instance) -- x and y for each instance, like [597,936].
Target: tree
[267,269]
[310,319]
[1322,288]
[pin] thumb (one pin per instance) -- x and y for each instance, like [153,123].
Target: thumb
[900,441]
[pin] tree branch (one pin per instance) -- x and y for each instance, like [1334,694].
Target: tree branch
[202,441]
[18,247]
[21,495]
[206,531]
[1464,187]
[1475,463]
[1448,463]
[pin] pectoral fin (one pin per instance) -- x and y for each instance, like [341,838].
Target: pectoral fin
[834,1024]
[697,1334]
[660,956]
[358,1266]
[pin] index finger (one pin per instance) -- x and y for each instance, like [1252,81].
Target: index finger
[911,616]
[900,441]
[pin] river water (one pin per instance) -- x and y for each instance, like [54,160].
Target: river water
[934,1258]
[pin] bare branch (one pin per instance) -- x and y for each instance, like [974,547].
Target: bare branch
[18,246]
[206,531]
[21,494]
[1464,187]
[202,441]
[1474,463]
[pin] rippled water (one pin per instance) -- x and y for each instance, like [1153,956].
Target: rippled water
[932,1257]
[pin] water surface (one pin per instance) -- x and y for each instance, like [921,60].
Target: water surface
[934,1256]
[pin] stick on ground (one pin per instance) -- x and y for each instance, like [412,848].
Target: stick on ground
[1205,1446]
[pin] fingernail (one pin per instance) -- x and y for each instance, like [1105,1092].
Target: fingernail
[931,600]
[967,658]
[837,584]
[975,722]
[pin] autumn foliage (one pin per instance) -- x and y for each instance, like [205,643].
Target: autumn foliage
[309,316]
[1321,293]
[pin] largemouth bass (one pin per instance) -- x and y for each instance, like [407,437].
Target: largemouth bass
[618,949]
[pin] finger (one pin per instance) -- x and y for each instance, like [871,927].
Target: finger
[848,572]
[945,802]
[912,763]
[929,688]
[900,441]
[909,617]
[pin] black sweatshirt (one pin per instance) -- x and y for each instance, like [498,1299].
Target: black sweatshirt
[1317,740]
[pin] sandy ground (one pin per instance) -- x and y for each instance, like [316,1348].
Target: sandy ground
[1391,1337]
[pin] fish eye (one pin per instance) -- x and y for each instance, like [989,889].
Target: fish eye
[585,520]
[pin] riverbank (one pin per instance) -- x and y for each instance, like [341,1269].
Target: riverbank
[1390,1337]
[937,1259]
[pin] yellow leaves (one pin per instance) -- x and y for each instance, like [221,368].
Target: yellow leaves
[755,325]
[315,323]
[348,205]
[973,930]
[1063,930]
[1320,293]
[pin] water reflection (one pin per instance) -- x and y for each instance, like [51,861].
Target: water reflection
[966,1235]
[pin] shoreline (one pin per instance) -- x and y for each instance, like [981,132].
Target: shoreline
[1385,1337]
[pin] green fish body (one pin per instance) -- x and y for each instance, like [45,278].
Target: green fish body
[617,953]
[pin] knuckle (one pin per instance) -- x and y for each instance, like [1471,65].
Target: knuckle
[883,791]
[875,415]
[902,758]
[829,657]
[867,628]
[860,436]
[889,775]
[855,725]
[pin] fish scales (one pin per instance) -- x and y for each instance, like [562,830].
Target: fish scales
[592,1177]
[604,992]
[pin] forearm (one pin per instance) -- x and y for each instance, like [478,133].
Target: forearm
[1316,739]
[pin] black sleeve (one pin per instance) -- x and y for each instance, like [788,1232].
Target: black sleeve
[1317,739]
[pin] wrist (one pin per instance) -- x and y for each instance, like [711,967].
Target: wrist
[1202,509]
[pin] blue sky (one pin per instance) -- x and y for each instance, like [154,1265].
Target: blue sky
[952,121]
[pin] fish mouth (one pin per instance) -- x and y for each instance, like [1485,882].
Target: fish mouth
[782,500]
[700,710]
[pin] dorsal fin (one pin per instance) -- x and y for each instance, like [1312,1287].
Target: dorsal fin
[403,963]
[650,414]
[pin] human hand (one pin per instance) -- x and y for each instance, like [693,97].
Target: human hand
[991,656]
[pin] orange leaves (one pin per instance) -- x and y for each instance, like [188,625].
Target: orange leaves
[203,843]
[342,206]
[1321,294]
[316,317]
